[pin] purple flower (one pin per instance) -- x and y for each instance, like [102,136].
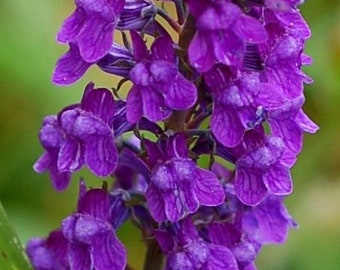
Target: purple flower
[83,134]
[222,34]
[289,122]
[87,238]
[234,103]
[282,57]
[158,86]
[89,132]
[49,253]
[70,67]
[231,236]
[260,171]
[232,80]
[186,250]
[177,186]
[91,236]
[238,103]
[268,223]
[91,27]
[52,138]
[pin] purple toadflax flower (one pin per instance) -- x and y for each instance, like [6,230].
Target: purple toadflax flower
[49,253]
[91,27]
[185,250]
[91,236]
[83,134]
[158,87]
[87,238]
[236,69]
[177,186]
[261,168]
[52,138]
[222,33]
[234,105]
[244,229]
[268,222]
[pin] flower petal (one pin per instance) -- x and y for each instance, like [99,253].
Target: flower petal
[71,156]
[249,186]
[108,252]
[95,202]
[70,67]
[71,27]
[208,188]
[79,256]
[182,95]
[101,155]
[278,180]
[95,38]
[134,104]
[226,126]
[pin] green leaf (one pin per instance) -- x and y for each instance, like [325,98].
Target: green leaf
[12,255]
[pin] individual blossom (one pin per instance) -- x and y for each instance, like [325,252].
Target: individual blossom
[177,186]
[158,86]
[261,170]
[232,236]
[49,253]
[268,222]
[238,103]
[87,238]
[283,57]
[241,228]
[91,27]
[52,138]
[184,249]
[222,34]
[83,134]
[233,103]
[89,133]
[245,230]
[91,234]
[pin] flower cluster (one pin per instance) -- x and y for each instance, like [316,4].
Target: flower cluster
[227,89]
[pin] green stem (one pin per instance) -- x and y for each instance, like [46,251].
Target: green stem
[176,122]
[169,19]
[154,256]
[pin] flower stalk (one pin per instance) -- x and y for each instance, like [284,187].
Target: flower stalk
[230,89]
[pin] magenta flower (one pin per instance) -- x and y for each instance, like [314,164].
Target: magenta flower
[82,135]
[261,171]
[196,151]
[158,87]
[223,32]
[91,27]
[177,185]
[186,250]
[86,239]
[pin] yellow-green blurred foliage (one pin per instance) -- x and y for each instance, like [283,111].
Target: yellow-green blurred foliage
[28,53]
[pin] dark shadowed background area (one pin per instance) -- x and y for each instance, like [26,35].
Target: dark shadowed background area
[28,53]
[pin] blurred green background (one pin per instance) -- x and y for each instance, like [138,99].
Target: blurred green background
[28,53]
